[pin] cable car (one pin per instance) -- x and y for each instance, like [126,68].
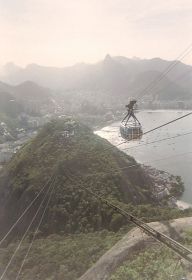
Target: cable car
[130,127]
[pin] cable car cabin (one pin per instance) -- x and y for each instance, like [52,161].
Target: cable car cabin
[131,131]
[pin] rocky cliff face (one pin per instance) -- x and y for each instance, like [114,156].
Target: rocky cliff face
[130,244]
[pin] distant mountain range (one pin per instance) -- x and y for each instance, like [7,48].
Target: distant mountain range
[26,90]
[25,98]
[28,94]
[116,76]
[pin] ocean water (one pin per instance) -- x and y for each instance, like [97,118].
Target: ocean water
[173,155]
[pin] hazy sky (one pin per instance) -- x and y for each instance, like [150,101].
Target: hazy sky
[64,32]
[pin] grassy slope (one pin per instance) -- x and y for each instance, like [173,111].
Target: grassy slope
[155,263]
[67,257]
[59,257]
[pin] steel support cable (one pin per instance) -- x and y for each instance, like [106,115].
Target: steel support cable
[35,233]
[169,67]
[179,78]
[143,247]
[166,71]
[178,263]
[168,241]
[176,80]
[138,164]
[161,78]
[183,54]
[25,211]
[153,142]
[146,162]
[184,116]
[27,230]
[171,243]
[151,130]
[157,235]
[146,132]
[157,141]
[156,82]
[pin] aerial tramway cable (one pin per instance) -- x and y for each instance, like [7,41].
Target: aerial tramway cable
[51,186]
[173,64]
[139,223]
[179,78]
[168,69]
[157,141]
[25,211]
[178,263]
[130,131]
[151,130]
[178,248]
[169,242]
[138,164]
[35,233]
[172,121]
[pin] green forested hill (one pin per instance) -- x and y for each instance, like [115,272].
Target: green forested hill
[77,228]
[84,158]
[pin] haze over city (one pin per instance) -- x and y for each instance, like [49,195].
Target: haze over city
[95,139]
[62,33]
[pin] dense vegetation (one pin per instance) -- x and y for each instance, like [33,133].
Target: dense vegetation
[82,159]
[156,263]
[59,257]
[77,228]
[76,158]
[67,257]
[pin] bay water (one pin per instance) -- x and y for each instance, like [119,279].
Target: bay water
[168,148]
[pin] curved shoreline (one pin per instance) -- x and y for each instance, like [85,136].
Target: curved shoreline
[171,156]
[182,205]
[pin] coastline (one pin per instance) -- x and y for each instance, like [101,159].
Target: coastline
[182,205]
[167,186]
[171,156]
